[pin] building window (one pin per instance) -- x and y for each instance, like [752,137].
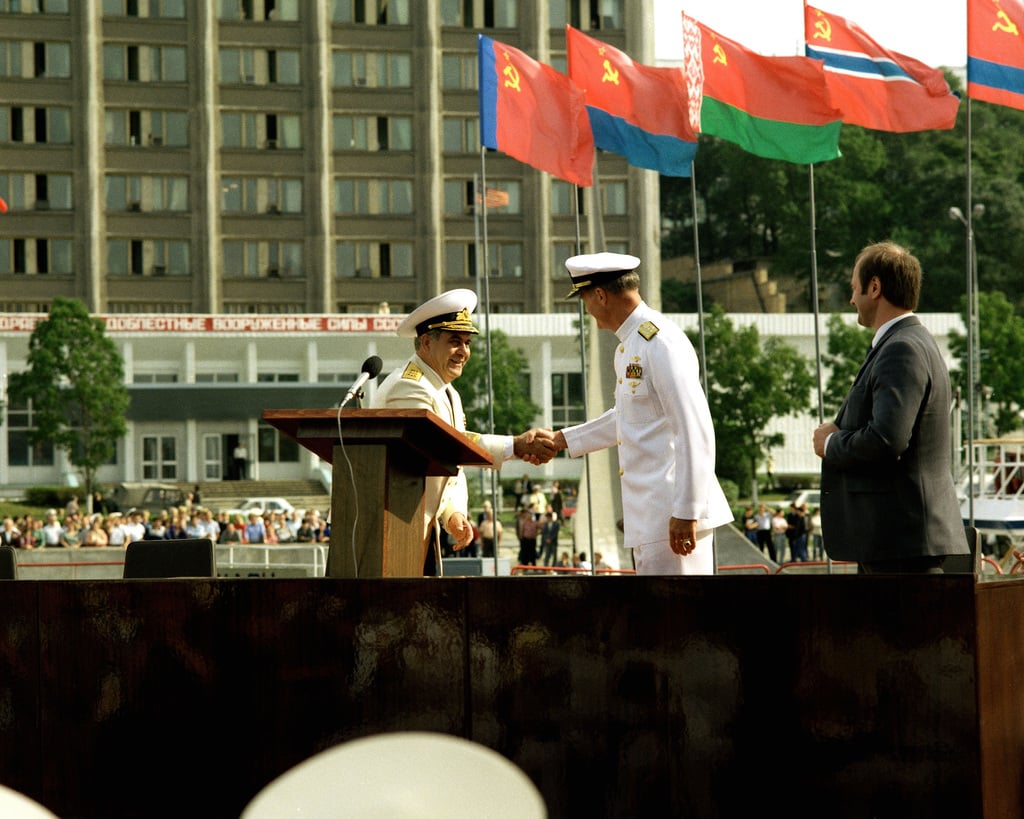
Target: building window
[373,197]
[286,10]
[372,133]
[20,451]
[501,198]
[460,260]
[263,260]
[461,135]
[259,66]
[460,72]
[36,256]
[147,193]
[260,195]
[488,14]
[10,58]
[379,12]
[272,131]
[52,60]
[505,260]
[36,191]
[568,404]
[216,378]
[156,129]
[39,125]
[275,447]
[561,199]
[371,260]
[159,458]
[148,257]
[614,197]
[155,378]
[170,9]
[371,69]
[144,63]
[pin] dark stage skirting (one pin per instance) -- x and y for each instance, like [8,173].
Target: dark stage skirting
[837,696]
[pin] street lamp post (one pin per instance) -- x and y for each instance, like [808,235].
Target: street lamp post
[973,351]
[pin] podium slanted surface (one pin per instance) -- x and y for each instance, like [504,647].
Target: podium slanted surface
[391,452]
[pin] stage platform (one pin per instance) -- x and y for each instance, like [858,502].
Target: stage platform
[838,696]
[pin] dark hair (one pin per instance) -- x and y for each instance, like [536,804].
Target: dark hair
[898,272]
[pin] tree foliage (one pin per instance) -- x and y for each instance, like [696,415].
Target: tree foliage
[749,384]
[75,381]
[884,186]
[513,409]
[1000,374]
[847,347]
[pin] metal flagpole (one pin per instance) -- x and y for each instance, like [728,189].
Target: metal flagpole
[482,267]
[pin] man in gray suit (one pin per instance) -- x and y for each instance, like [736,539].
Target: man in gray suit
[887,495]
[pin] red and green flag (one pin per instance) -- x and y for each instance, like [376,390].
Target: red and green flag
[774,107]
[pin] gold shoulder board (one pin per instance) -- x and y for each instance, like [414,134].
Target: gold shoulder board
[648,330]
[412,372]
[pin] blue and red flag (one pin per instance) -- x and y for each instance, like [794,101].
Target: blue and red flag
[872,86]
[638,111]
[533,113]
[995,52]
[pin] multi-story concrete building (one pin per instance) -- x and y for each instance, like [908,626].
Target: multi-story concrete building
[258,157]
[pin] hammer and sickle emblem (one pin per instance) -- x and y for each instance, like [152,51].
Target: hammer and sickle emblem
[720,58]
[1005,24]
[611,74]
[511,75]
[823,29]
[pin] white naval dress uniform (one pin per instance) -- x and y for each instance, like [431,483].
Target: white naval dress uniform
[417,386]
[662,427]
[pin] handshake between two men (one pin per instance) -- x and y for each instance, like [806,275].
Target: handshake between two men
[538,445]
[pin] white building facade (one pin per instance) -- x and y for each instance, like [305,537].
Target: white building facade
[199,384]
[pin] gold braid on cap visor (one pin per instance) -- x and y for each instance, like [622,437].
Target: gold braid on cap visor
[453,322]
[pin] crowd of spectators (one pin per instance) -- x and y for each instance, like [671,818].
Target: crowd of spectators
[77,528]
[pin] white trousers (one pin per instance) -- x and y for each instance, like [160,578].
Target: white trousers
[659,559]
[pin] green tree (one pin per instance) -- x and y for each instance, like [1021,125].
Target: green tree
[75,381]
[513,409]
[749,384]
[1001,360]
[847,346]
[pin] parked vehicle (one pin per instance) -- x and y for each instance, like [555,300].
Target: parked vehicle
[812,497]
[262,505]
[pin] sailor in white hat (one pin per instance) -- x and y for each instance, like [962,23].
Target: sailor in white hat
[660,423]
[443,331]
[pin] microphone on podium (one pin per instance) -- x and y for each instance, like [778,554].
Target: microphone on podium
[371,369]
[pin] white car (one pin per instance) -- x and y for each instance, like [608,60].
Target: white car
[262,505]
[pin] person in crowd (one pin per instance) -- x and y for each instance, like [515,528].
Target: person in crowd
[96,534]
[814,532]
[582,562]
[750,525]
[888,501]
[71,537]
[660,423]
[490,533]
[71,508]
[157,528]
[135,529]
[255,529]
[527,527]
[206,525]
[764,531]
[442,333]
[177,529]
[557,501]
[564,561]
[537,499]
[10,534]
[240,459]
[306,533]
[779,528]
[52,530]
[233,532]
[600,562]
[796,532]
[117,534]
[549,538]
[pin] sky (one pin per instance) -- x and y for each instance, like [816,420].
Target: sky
[932,31]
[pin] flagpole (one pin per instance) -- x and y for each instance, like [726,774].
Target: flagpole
[972,319]
[814,294]
[700,328]
[482,267]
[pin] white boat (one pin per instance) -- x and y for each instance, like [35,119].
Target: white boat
[994,500]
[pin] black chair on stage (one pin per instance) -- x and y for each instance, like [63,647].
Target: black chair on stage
[8,562]
[190,557]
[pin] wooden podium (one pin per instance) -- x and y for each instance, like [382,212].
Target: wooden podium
[391,452]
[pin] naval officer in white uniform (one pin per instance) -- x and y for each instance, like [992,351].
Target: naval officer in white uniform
[442,329]
[660,423]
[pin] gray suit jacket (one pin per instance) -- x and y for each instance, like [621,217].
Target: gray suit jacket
[886,479]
